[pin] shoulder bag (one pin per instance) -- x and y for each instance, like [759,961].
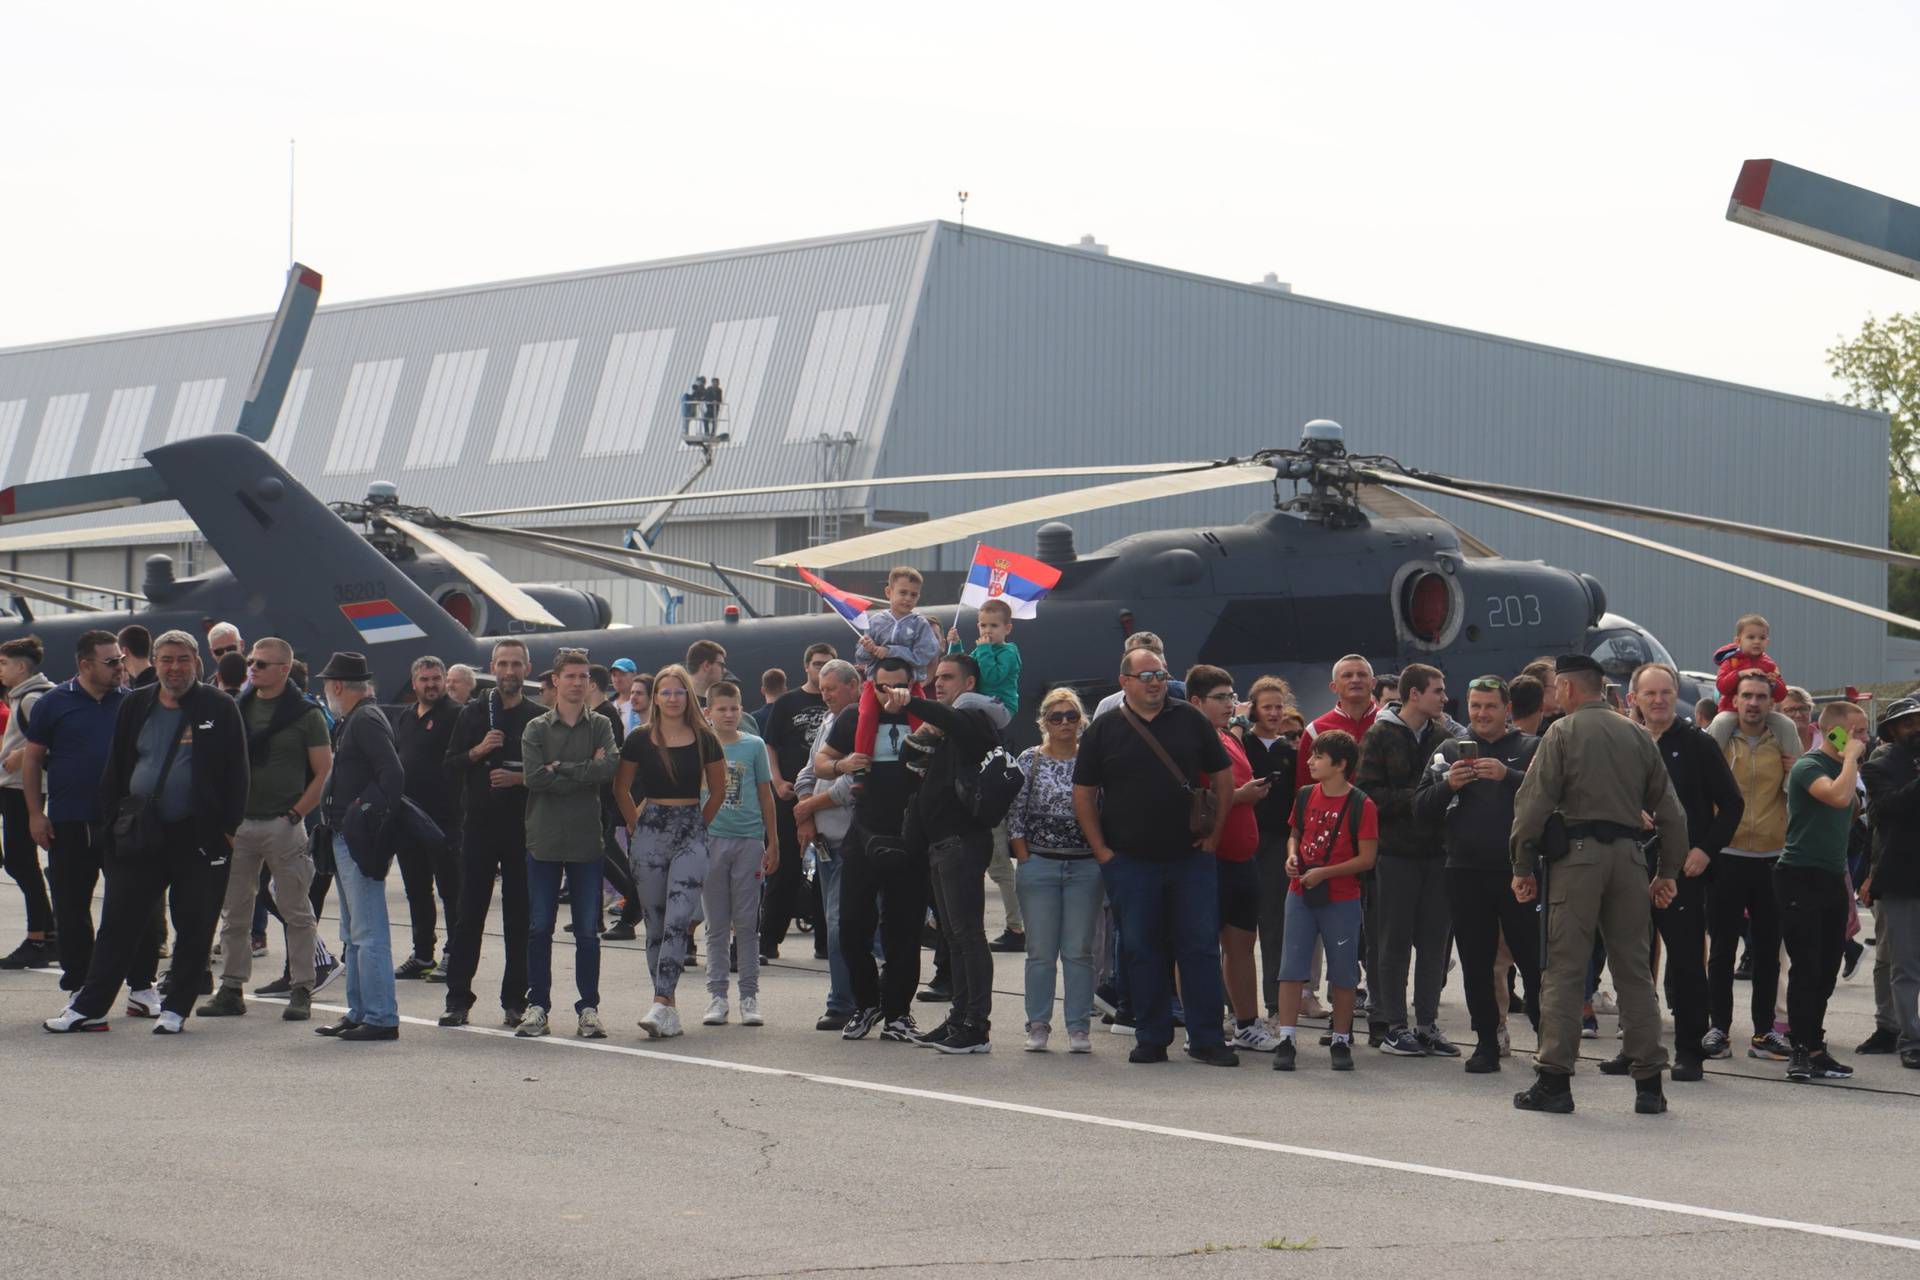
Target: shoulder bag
[1202,806]
[136,823]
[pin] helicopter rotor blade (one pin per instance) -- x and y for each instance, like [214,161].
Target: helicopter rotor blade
[7,583]
[576,550]
[930,533]
[602,548]
[873,482]
[517,604]
[1587,526]
[1391,504]
[114,593]
[1577,502]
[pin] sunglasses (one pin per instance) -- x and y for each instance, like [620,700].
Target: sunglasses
[224,651]
[255,664]
[1063,717]
[1487,682]
[570,653]
[1150,677]
[107,662]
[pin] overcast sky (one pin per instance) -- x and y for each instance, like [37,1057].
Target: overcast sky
[1554,173]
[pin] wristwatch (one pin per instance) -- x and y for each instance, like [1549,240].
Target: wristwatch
[293,817]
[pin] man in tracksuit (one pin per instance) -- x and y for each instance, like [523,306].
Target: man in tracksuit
[1469,789]
[1892,775]
[1412,898]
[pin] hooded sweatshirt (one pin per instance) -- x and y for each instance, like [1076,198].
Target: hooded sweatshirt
[1477,820]
[1392,759]
[20,700]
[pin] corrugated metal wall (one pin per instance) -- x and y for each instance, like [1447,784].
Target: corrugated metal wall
[1027,355]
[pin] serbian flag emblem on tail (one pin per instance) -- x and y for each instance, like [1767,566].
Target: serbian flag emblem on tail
[848,605]
[380,621]
[1007,575]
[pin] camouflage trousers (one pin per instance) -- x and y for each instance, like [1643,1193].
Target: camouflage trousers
[669,856]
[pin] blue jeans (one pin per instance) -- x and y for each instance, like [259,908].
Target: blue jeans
[839,985]
[1060,899]
[543,904]
[1170,911]
[366,947]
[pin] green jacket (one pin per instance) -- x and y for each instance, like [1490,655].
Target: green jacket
[563,785]
[999,671]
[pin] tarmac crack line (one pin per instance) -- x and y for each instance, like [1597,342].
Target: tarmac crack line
[768,1143]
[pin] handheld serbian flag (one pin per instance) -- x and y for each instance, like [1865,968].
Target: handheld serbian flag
[1006,575]
[848,605]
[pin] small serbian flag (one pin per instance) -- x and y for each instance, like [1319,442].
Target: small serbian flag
[380,621]
[848,605]
[1006,575]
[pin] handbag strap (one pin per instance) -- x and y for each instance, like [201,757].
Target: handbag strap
[1140,728]
[173,746]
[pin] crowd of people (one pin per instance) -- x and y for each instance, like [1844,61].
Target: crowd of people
[1147,850]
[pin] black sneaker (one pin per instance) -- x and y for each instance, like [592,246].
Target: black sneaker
[901,1030]
[1743,971]
[1436,1044]
[324,974]
[1009,940]
[860,1024]
[34,953]
[280,986]
[454,1018]
[412,968]
[1881,1041]
[1687,1070]
[1342,1052]
[1213,1055]
[621,931]
[1910,1058]
[1145,1053]
[1548,1092]
[936,993]
[964,1038]
[1485,1058]
[935,1034]
[831,1022]
[1648,1098]
[1850,958]
[513,1015]
[1825,1068]
[1800,1065]
[1285,1055]
[1618,1065]
[1402,1043]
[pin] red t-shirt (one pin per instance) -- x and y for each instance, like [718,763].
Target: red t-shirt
[1241,836]
[1334,719]
[1325,838]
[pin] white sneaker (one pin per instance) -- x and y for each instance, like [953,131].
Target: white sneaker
[590,1027]
[1603,1002]
[170,1024]
[1506,1043]
[71,1019]
[750,1012]
[143,1004]
[1079,1042]
[533,1023]
[1310,1007]
[1257,1038]
[1037,1033]
[669,1022]
[654,1020]
[716,1012]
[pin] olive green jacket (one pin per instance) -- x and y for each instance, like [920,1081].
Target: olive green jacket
[1595,765]
[564,778]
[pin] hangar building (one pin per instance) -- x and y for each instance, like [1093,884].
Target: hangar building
[933,348]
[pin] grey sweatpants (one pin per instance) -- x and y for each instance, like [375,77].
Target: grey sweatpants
[669,853]
[1884,1018]
[732,898]
[1000,871]
[1413,915]
[1899,935]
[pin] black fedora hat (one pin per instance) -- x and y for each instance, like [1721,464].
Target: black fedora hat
[345,665]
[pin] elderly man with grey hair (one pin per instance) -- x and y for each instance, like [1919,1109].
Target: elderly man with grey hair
[174,792]
[823,815]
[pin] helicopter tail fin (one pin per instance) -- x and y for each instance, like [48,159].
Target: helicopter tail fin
[303,567]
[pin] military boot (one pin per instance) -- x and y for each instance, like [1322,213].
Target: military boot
[226,1003]
[1648,1098]
[1549,1092]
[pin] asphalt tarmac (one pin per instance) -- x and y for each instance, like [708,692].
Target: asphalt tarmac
[251,1147]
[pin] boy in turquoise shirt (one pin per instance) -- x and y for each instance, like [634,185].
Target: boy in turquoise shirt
[743,848]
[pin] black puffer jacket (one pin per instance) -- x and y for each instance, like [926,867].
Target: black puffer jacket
[1477,820]
[1392,759]
[1892,775]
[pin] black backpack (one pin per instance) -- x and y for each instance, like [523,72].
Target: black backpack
[989,794]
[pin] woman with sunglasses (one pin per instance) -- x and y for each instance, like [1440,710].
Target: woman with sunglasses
[1057,879]
[671,761]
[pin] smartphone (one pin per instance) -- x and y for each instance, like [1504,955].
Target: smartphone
[1837,737]
[1469,750]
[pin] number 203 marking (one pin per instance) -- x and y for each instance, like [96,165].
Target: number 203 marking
[1513,611]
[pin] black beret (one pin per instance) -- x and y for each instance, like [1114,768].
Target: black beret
[1568,663]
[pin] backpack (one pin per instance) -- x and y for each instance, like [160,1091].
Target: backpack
[1352,810]
[989,794]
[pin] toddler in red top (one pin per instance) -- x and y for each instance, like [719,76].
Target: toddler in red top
[1748,652]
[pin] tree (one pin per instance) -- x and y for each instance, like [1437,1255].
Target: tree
[1880,369]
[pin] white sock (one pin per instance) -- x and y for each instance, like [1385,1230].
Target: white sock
[1343,1037]
[1285,1033]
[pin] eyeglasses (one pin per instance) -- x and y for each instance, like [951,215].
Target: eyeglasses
[1150,677]
[255,664]
[570,653]
[1223,695]
[1063,717]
